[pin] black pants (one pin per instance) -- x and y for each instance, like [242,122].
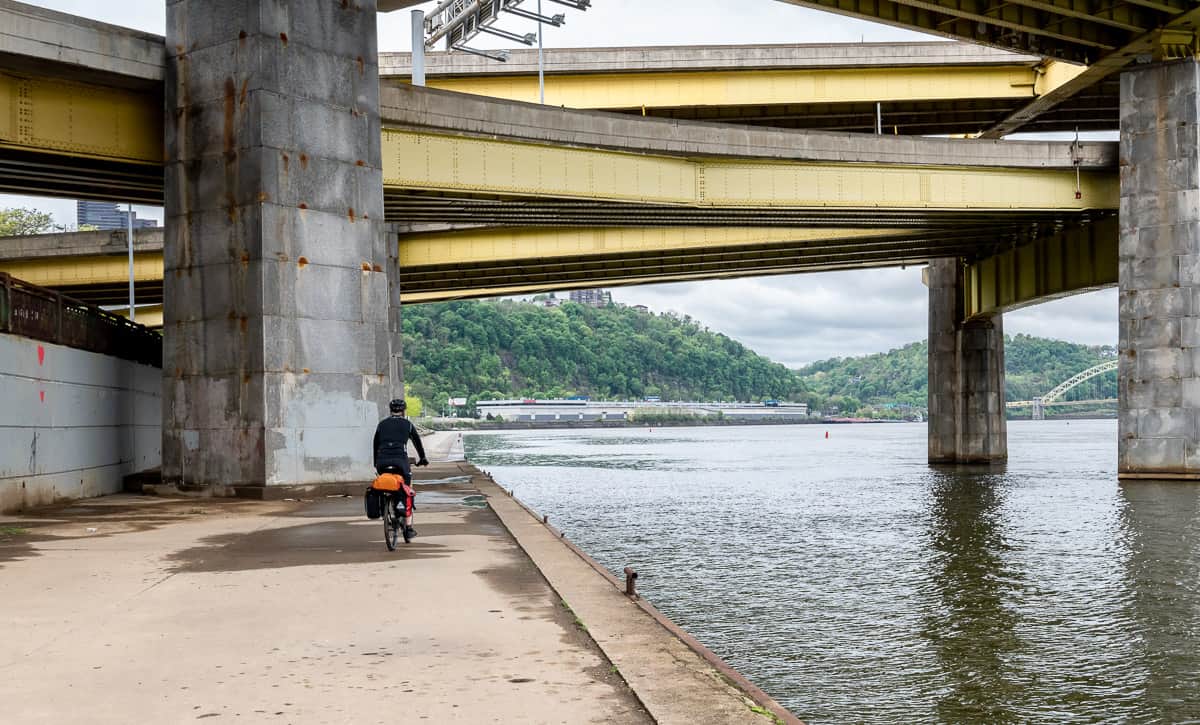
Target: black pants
[399,498]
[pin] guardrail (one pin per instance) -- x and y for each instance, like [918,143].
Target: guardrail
[43,314]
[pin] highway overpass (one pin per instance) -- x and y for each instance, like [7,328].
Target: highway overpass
[905,88]
[280,155]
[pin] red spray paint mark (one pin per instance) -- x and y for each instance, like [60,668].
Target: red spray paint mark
[42,395]
[41,354]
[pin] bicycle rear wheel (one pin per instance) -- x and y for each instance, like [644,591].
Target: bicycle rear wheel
[391,524]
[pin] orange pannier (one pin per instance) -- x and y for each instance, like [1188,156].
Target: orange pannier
[388,482]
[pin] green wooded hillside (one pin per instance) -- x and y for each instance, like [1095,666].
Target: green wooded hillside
[1033,365]
[505,349]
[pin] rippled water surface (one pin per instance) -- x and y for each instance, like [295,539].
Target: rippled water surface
[855,583]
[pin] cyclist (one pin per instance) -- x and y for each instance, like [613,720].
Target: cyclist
[391,453]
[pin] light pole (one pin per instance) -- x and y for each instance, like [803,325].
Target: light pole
[541,62]
[129,236]
[418,47]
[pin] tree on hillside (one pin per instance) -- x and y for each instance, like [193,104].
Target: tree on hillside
[513,350]
[16,222]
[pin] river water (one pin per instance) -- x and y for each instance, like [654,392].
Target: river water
[855,583]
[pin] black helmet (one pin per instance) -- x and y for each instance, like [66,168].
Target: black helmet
[397,406]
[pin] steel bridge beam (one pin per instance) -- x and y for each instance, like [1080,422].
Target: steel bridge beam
[431,162]
[609,91]
[1079,259]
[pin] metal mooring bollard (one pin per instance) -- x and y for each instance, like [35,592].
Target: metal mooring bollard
[630,582]
[545,519]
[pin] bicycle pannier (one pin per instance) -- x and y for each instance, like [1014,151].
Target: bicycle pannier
[372,503]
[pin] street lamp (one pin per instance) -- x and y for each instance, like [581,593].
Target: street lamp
[458,21]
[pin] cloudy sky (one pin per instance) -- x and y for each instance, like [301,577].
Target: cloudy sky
[793,319]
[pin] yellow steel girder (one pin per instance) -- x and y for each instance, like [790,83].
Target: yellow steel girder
[410,298]
[432,162]
[494,245]
[148,315]
[1079,259]
[681,89]
[74,271]
[80,119]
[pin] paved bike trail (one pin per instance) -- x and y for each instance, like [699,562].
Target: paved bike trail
[141,609]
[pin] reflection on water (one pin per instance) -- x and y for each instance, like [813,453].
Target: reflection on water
[1161,523]
[857,584]
[971,629]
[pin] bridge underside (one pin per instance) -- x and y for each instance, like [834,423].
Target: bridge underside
[964,94]
[1054,255]
[268,284]
[490,262]
[1095,110]
[552,199]
[1104,37]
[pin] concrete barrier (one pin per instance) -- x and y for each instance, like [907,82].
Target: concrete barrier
[72,423]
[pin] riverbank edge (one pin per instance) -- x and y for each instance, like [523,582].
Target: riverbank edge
[487,427]
[665,698]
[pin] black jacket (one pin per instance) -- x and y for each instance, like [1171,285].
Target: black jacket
[391,437]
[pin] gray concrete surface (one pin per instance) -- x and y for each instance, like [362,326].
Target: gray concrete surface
[442,446]
[72,423]
[1159,273]
[404,106]
[280,333]
[79,244]
[967,419]
[137,609]
[675,682]
[120,55]
[524,61]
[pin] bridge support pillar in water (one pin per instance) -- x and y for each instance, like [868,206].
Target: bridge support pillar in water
[966,376]
[278,344]
[1159,263]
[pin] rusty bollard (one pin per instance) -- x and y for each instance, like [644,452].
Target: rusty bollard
[630,582]
[545,519]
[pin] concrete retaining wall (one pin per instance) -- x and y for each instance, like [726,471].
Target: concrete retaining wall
[72,423]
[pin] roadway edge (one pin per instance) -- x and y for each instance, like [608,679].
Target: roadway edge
[676,678]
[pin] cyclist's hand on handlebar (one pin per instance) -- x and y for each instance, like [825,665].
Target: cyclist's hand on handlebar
[423,462]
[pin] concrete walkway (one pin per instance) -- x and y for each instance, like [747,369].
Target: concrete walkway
[140,609]
[144,609]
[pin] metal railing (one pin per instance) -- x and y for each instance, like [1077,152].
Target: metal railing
[43,314]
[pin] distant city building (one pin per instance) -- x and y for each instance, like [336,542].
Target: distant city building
[592,297]
[106,215]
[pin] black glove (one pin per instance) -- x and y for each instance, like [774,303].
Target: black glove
[423,462]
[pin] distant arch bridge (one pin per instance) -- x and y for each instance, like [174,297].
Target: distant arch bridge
[1054,397]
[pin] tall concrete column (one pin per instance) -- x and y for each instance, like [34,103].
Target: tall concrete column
[1159,371]
[966,376]
[276,315]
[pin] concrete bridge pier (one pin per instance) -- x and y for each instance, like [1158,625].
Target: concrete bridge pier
[1159,273]
[276,310]
[966,376]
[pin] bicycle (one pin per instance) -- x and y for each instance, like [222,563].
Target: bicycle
[393,524]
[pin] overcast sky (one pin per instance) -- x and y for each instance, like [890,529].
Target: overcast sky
[793,319]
